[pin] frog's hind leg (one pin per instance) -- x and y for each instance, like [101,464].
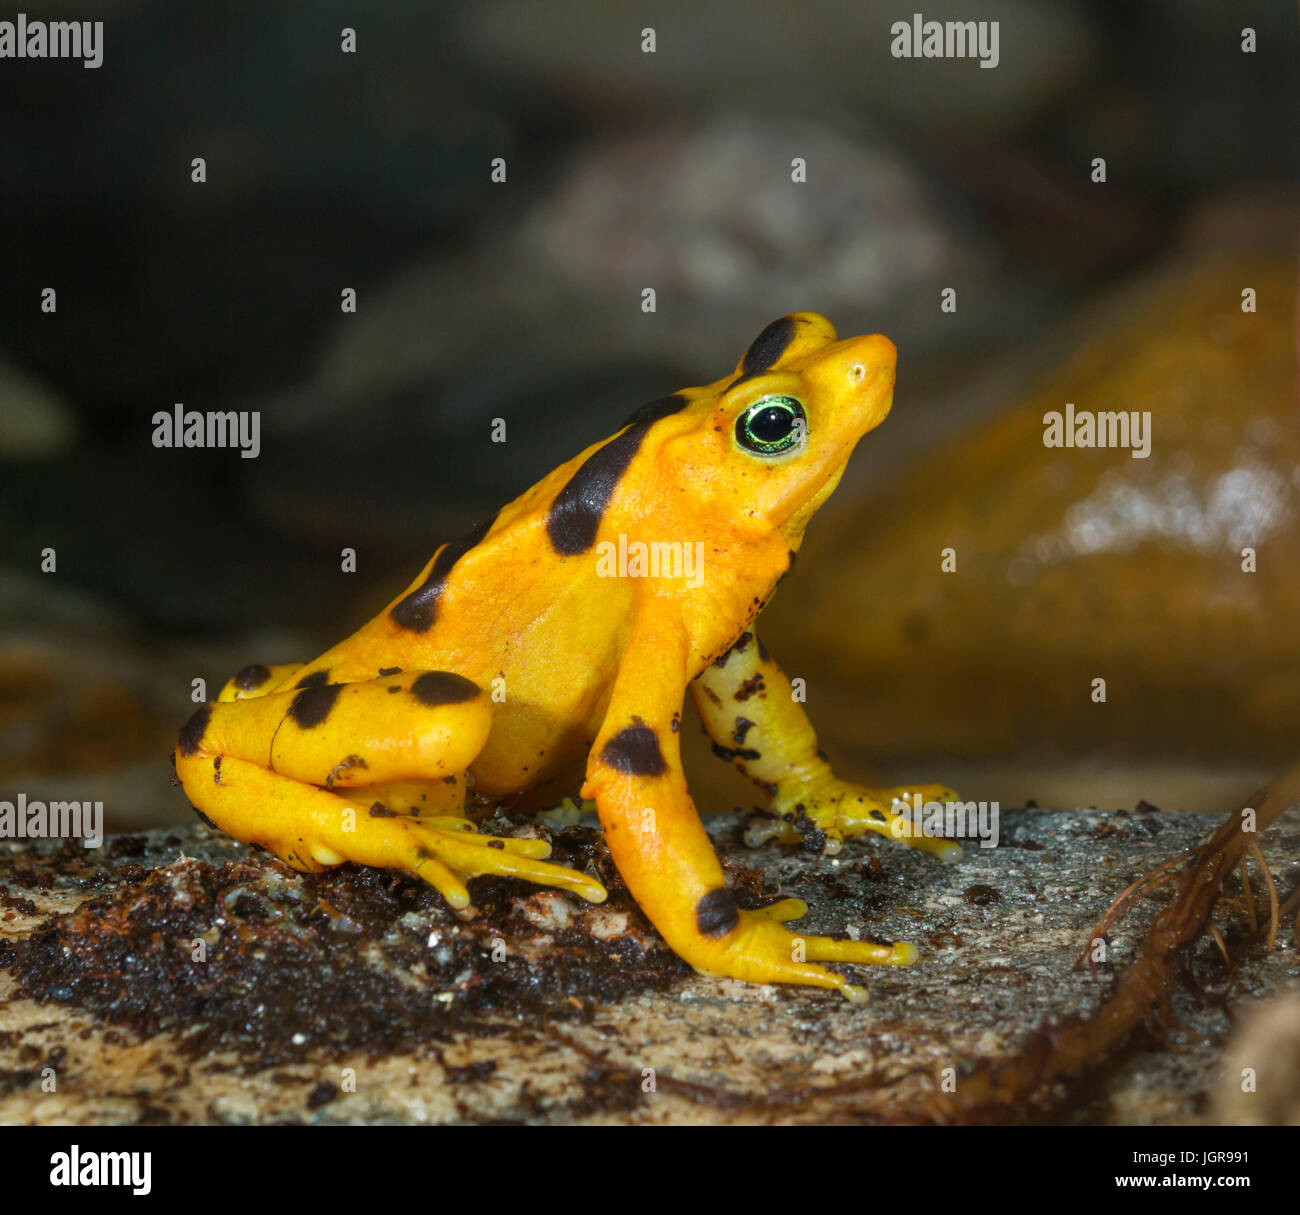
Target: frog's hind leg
[295,771]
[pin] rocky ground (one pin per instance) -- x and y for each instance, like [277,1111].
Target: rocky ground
[175,976]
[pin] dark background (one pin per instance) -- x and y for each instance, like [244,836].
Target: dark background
[519,301]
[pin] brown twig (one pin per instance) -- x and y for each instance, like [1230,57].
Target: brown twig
[1293,901]
[1249,896]
[1134,890]
[1273,913]
[1219,941]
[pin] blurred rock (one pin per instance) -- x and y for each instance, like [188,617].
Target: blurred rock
[716,53]
[1085,563]
[323,169]
[1176,104]
[34,422]
[710,220]
[1267,1045]
[90,710]
[80,705]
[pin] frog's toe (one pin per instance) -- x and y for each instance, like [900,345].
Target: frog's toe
[948,851]
[877,810]
[763,827]
[443,880]
[912,796]
[468,854]
[761,950]
[784,911]
[906,829]
[534,848]
[863,953]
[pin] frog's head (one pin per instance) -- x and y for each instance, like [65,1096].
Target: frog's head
[782,427]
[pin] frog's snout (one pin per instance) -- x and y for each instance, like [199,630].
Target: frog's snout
[860,374]
[868,361]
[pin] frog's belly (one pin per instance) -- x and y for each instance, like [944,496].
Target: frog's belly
[548,662]
[533,743]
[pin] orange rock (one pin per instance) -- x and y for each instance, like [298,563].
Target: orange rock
[1079,564]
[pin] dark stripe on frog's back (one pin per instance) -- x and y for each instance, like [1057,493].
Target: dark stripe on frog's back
[418,610]
[765,349]
[575,515]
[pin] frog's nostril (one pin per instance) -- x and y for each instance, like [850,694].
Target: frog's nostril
[858,372]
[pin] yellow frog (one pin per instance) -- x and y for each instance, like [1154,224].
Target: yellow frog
[564,632]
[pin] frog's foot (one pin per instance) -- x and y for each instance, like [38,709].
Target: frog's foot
[447,851]
[313,829]
[760,949]
[820,816]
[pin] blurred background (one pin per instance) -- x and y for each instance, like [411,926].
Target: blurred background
[522,300]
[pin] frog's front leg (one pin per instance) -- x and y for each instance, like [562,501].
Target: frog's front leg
[748,707]
[654,834]
[299,771]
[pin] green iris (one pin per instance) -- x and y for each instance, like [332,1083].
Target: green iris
[772,426]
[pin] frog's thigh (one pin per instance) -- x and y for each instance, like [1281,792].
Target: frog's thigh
[334,735]
[419,725]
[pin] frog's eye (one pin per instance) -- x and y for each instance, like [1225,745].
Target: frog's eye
[772,426]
